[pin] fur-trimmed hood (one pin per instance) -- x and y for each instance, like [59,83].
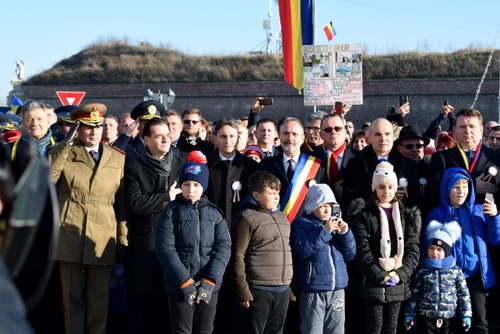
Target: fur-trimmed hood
[411,222]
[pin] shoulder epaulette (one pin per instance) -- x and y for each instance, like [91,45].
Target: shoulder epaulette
[117,149]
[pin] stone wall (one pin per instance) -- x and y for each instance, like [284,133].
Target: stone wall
[219,100]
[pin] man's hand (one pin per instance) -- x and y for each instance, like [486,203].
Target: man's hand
[446,110]
[256,104]
[245,304]
[332,224]
[132,130]
[173,191]
[490,208]
[404,109]
[72,133]
[483,187]
[345,109]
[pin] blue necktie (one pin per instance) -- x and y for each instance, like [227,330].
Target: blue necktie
[382,160]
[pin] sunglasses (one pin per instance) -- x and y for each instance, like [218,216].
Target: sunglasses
[190,121]
[330,129]
[410,146]
[312,128]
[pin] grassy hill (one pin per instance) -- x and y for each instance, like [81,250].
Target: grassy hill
[113,62]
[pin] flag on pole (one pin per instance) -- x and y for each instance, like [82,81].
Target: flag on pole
[296,30]
[330,31]
[15,103]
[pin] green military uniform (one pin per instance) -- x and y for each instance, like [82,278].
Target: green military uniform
[91,225]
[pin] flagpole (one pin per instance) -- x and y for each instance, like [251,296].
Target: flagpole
[314,28]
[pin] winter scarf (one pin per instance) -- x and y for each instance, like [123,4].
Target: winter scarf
[387,262]
[43,143]
[438,264]
[162,167]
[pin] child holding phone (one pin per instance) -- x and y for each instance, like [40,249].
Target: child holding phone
[387,241]
[480,225]
[322,242]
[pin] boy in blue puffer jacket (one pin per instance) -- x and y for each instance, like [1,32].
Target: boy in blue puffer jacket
[193,246]
[480,228]
[322,244]
[439,285]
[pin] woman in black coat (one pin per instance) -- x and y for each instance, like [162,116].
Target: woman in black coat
[387,242]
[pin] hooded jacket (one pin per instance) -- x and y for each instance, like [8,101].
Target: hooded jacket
[192,241]
[365,223]
[478,230]
[321,255]
[261,249]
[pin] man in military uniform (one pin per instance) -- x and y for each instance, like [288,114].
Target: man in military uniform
[142,113]
[89,179]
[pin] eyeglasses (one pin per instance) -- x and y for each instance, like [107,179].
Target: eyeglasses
[410,146]
[312,128]
[190,121]
[330,129]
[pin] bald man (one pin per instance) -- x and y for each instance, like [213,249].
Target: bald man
[358,179]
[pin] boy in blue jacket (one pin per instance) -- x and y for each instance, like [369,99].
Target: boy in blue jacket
[480,228]
[194,247]
[322,243]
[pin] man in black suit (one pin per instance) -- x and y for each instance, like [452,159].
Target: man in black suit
[229,170]
[360,169]
[150,183]
[469,154]
[142,113]
[337,153]
[286,164]
[189,140]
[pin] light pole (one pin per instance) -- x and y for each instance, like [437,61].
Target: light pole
[170,97]
[148,95]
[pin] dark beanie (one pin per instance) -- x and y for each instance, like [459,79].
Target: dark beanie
[195,169]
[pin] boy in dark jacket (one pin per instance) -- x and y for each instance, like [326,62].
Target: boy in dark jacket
[480,228]
[322,242]
[193,246]
[262,259]
[438,284]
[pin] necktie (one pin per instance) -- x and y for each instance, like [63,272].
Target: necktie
[92,154]
[382,160]
[227,162]
[470,155]
[290,170]
[268,154]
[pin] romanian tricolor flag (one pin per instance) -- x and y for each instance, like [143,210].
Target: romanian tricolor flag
[330,31]
[296,30]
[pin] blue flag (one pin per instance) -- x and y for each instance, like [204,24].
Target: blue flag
[16,102]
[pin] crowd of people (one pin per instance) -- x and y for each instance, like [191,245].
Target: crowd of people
[256,226]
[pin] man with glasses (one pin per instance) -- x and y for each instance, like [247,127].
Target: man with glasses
[313,141]
[190,140]
[411,144]
[487,129]
[337,153]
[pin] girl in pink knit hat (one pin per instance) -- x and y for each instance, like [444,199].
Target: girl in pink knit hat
[387,251]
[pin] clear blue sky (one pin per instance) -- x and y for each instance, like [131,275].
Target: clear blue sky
[42,33]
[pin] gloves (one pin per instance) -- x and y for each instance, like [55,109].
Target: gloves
[205,291]
[391,279]
[72,133]
[466,323]
[189,291]
[409,323]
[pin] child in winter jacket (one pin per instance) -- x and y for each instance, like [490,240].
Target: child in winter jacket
[322,243]
[387,250]
[438,284]
[194,247]
[480,228]
[262,258]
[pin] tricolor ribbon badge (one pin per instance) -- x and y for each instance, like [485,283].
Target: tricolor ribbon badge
[423,182]
[403,183]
